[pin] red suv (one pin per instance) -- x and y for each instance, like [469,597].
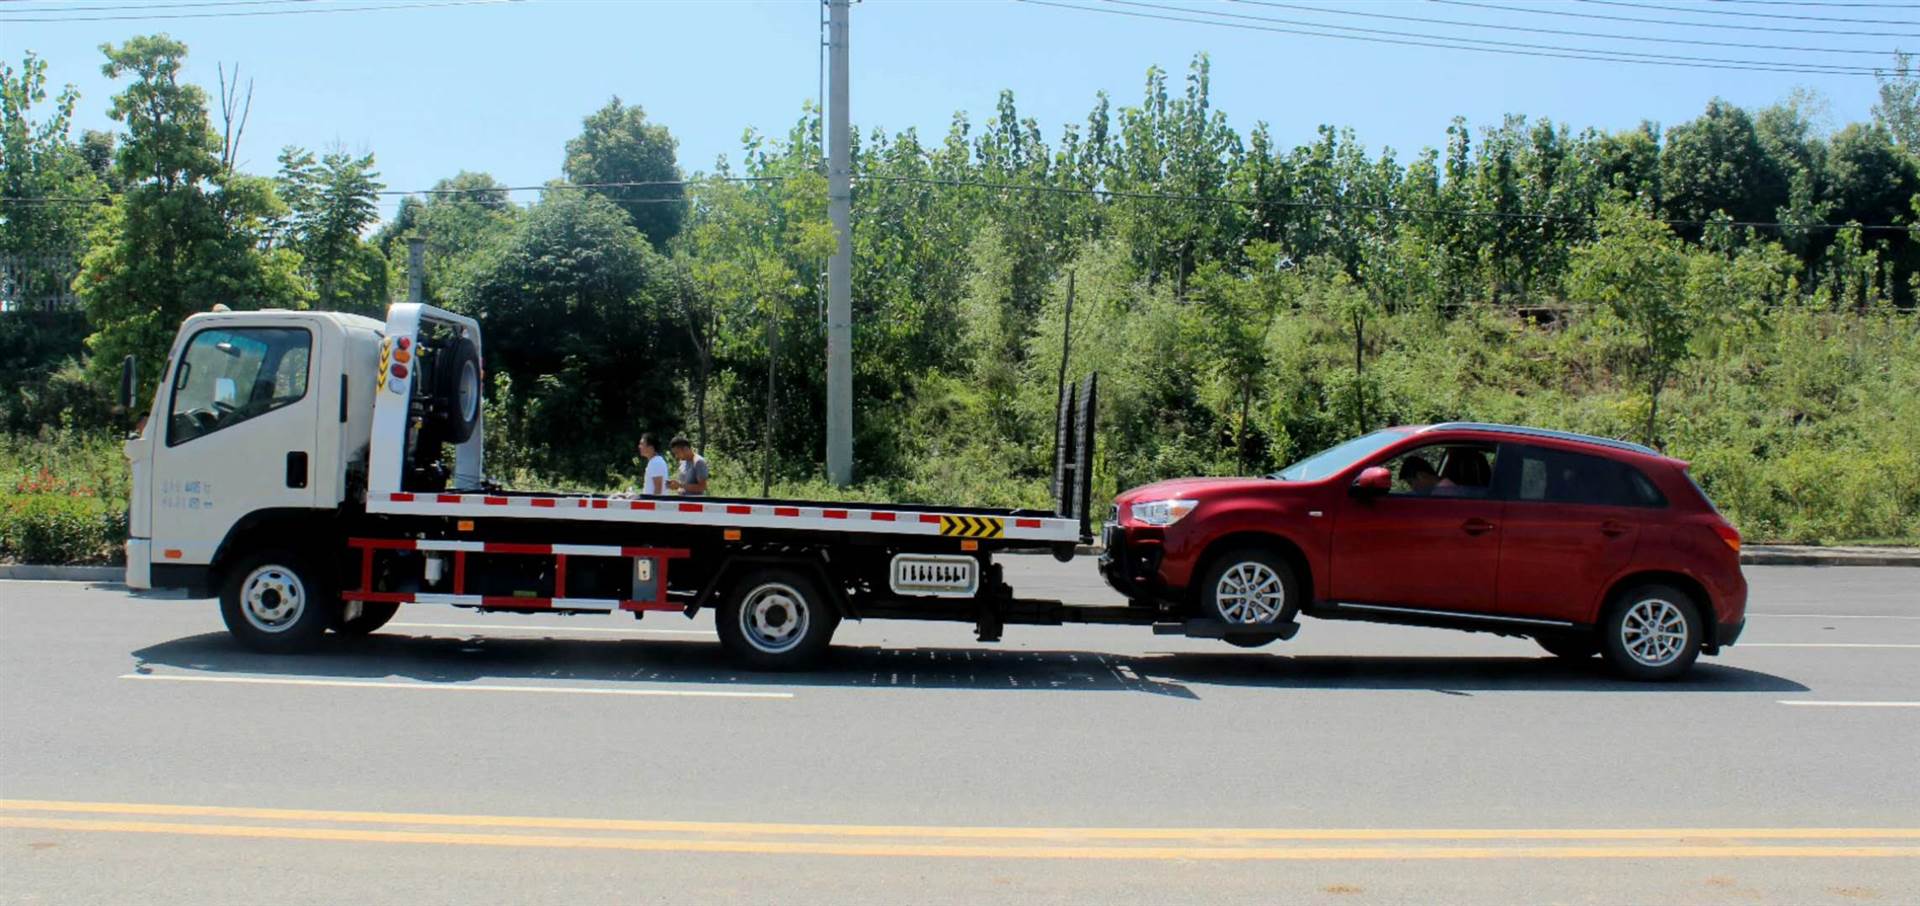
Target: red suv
[1588,545]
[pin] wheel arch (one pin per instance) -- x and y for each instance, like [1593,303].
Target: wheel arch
[1702,600]
[1281,544]
[279,527]
[813,566]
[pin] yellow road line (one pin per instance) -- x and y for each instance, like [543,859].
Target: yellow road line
[724,828]
[926,850]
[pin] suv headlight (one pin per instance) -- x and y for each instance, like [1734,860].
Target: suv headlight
[1161,512]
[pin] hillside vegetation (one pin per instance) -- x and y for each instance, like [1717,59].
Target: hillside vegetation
[1737,289]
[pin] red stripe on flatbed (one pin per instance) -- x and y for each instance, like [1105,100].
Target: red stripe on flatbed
[834,514]
[543,501]
[786,511]
[739,509]
[692,507]
[649,605]
[447,498]
[501,547]
[401,497]
[599,504]
[880,517]
[1026,523]
[640,505]
[930,518]
[511,603]
[379,597]
[495,501]
[384,544]
[668,552]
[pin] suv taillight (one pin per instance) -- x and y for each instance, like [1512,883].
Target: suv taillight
[1728,534]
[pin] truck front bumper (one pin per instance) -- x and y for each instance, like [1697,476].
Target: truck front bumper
[139,563]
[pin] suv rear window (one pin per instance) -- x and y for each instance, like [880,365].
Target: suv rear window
[1558,476]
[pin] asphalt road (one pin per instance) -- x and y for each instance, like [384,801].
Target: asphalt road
[498,759]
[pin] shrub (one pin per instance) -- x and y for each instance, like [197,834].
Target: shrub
[44,528]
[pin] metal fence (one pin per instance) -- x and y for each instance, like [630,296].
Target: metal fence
[38,282]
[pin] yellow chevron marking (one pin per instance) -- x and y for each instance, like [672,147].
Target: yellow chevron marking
[972,526]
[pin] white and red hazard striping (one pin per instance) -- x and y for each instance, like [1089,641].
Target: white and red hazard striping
[733,515]
[560,552]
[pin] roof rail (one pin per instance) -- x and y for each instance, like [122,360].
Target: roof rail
[1544,432]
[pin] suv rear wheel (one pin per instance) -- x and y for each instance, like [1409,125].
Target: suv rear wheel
[1651,632]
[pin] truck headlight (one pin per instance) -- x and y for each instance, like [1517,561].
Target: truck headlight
[1161,512]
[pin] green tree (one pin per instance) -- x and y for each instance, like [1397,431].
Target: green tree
[616,144]
[579,313]
[1637,270]
[186,234]
[1899,106]
[333,202]
[46,188]
[1716,163]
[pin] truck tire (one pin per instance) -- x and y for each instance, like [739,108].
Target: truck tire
[1651,633]
[276,602]
[457,391]
[1571,647]
[371,617]
[776,619]
[1250,586]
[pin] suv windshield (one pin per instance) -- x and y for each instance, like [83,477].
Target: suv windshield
[1333,459]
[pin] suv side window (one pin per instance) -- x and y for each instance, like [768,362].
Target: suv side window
[1557,476]
[230,375]
[1458,469]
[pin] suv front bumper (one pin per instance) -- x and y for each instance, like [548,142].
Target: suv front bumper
[1130,562]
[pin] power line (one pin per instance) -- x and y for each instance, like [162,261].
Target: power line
[1567,32]
[1509,10]
[1834,68]
[1426,41]
[1856,3]
[90,8]
[1723,12]
[418,4]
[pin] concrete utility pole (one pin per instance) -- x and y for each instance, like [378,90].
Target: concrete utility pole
[840,268]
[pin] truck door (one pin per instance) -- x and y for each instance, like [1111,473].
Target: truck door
[237,436]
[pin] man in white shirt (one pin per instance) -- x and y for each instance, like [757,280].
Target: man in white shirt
[654,483]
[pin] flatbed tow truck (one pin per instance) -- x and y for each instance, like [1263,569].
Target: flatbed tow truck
[294,464]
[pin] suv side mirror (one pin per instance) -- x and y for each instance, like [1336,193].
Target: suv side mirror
[1373,481]
[129,381]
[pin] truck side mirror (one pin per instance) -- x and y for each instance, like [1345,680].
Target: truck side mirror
[1372,482]
[129,381]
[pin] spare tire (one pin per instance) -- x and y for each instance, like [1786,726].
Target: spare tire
[456,390]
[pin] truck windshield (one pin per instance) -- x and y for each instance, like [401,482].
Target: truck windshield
[1333,459]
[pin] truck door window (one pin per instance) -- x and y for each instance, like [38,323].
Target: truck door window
[229,375]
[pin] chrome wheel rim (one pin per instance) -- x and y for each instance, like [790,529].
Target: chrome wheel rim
[1250,593]
[774,618]
[273,597]
[1654,632]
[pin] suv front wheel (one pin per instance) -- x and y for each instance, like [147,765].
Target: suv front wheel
[1651,632]
[1250,587]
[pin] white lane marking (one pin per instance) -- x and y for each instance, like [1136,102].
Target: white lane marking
[1832,616]
[501,627]
[453,687]
[1814,704]
[1824,645]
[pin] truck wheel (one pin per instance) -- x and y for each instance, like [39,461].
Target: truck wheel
[776,620]
[371,616]
[1571,647]
[1250,587]
[457,387]
[1651,632]
[276,602]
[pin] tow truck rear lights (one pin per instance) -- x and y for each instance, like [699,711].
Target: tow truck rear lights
[399,370]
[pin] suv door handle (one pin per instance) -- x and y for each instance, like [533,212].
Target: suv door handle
[1613,529]
[1476,526]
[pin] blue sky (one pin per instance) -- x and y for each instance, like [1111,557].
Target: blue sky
[500,88]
